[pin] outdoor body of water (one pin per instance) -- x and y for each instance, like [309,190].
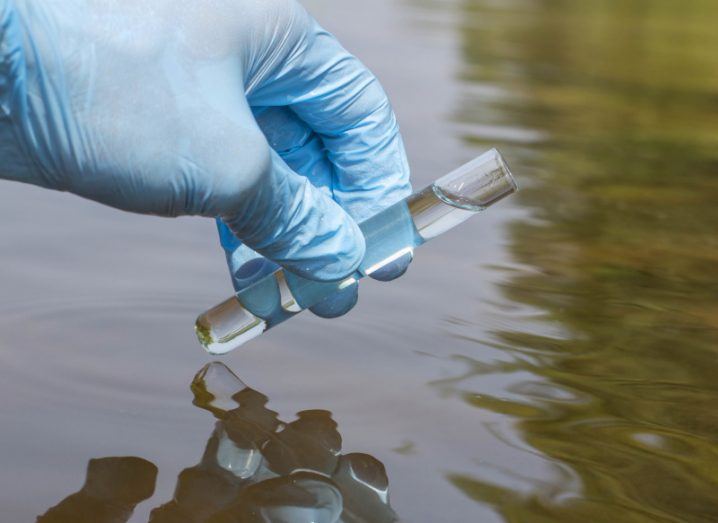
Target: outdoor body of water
[555,359]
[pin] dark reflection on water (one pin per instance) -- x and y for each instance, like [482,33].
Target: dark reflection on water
[612,109]
[255,468]
[113,488]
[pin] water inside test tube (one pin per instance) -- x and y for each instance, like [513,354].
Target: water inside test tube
[434,212]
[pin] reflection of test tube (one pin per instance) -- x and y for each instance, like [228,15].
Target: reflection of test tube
[390,235]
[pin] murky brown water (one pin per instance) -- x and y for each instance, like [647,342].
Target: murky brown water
[553,360]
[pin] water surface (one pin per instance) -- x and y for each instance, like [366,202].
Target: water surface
[553,360]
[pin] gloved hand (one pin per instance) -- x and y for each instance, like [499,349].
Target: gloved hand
[152,106]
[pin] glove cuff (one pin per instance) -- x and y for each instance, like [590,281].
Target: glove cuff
[12,62]
[11,56]
[14,164]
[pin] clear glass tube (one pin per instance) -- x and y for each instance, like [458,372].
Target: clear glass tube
[390,235]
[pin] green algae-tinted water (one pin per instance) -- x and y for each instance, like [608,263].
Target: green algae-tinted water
[553,360]
[619,257]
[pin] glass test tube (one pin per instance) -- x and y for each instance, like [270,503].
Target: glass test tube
[390,235]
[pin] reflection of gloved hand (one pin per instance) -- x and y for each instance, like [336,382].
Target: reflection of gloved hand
[303,497]
[147,105]
[114,486]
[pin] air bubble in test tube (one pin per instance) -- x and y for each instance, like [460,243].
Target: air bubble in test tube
[390,235]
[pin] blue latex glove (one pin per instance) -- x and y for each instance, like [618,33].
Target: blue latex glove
[151,106]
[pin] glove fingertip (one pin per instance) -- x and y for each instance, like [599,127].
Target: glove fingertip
[338,304]
[251,272]
[393,270]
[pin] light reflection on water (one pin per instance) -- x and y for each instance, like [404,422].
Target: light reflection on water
[553,361]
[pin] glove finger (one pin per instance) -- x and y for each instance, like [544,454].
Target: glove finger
[300,147]
[283,217]
[297,144]
[245,266]
[344,104]
[338,304]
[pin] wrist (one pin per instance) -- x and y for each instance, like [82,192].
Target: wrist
[10,49]
[14,164]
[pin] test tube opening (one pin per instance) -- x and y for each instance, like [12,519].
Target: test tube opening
[477,184]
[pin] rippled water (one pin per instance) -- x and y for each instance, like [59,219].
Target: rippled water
[553,360]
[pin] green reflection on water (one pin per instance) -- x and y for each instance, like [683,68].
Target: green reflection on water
[612,110]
